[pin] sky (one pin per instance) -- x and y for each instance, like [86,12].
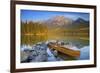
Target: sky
[34,15]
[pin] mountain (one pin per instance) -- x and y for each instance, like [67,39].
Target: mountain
[58,21]
[81,21]
[64,22]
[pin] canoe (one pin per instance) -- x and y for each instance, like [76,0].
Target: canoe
[64,50]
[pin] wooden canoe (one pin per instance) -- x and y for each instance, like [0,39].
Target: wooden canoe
[64,50]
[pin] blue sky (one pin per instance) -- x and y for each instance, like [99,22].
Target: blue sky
[33,15]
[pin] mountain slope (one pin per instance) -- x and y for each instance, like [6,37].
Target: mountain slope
[58,21]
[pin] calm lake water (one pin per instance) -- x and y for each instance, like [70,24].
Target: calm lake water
[75,40]
[80,42]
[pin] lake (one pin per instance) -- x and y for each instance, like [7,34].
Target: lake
[75,40]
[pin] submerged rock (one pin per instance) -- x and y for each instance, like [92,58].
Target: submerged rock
[51,56]
[37,53]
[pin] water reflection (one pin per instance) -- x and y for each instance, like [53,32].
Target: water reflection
[33,39]
[81,44]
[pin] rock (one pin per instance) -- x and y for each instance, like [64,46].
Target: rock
[50,55]
[24,56]
[41,58]
[55,53]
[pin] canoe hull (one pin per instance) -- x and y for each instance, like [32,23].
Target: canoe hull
[64,50]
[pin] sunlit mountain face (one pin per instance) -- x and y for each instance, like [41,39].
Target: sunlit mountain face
[59,21]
